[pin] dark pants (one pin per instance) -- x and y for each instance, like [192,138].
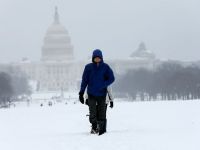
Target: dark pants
[97,112]
[97,109]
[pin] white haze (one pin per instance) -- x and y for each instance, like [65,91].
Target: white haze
[170,28]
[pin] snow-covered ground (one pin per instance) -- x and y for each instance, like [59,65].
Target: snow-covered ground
[131,126]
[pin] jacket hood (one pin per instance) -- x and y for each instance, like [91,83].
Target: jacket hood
[97,53]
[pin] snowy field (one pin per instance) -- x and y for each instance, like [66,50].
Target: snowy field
[131,126]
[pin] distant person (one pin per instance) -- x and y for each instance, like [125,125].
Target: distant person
[50,103]
[97,76]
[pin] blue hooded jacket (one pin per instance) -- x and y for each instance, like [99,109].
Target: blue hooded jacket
[97,78]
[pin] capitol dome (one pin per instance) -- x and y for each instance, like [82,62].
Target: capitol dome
[143,53]
[57,43]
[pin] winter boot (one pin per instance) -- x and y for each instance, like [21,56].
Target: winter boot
[94,129]
[102,127]
[105,125]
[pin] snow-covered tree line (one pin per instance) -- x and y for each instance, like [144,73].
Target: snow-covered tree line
[169,81]
[12,86]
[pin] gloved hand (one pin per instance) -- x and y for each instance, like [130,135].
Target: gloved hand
[111,104]
[81,98]
[86,102]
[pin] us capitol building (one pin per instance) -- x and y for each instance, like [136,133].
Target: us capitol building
[57,70]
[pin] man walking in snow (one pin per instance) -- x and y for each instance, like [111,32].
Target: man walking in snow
[97,76]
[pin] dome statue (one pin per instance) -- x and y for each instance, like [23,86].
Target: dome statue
[142,52]
[57,43]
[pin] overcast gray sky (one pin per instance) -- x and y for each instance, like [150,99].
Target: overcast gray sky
[170,28]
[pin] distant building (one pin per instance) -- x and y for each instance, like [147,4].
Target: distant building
[141,58]
[57,43]
[58,70]
[142,52]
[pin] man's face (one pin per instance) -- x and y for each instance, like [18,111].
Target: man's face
[97,60]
